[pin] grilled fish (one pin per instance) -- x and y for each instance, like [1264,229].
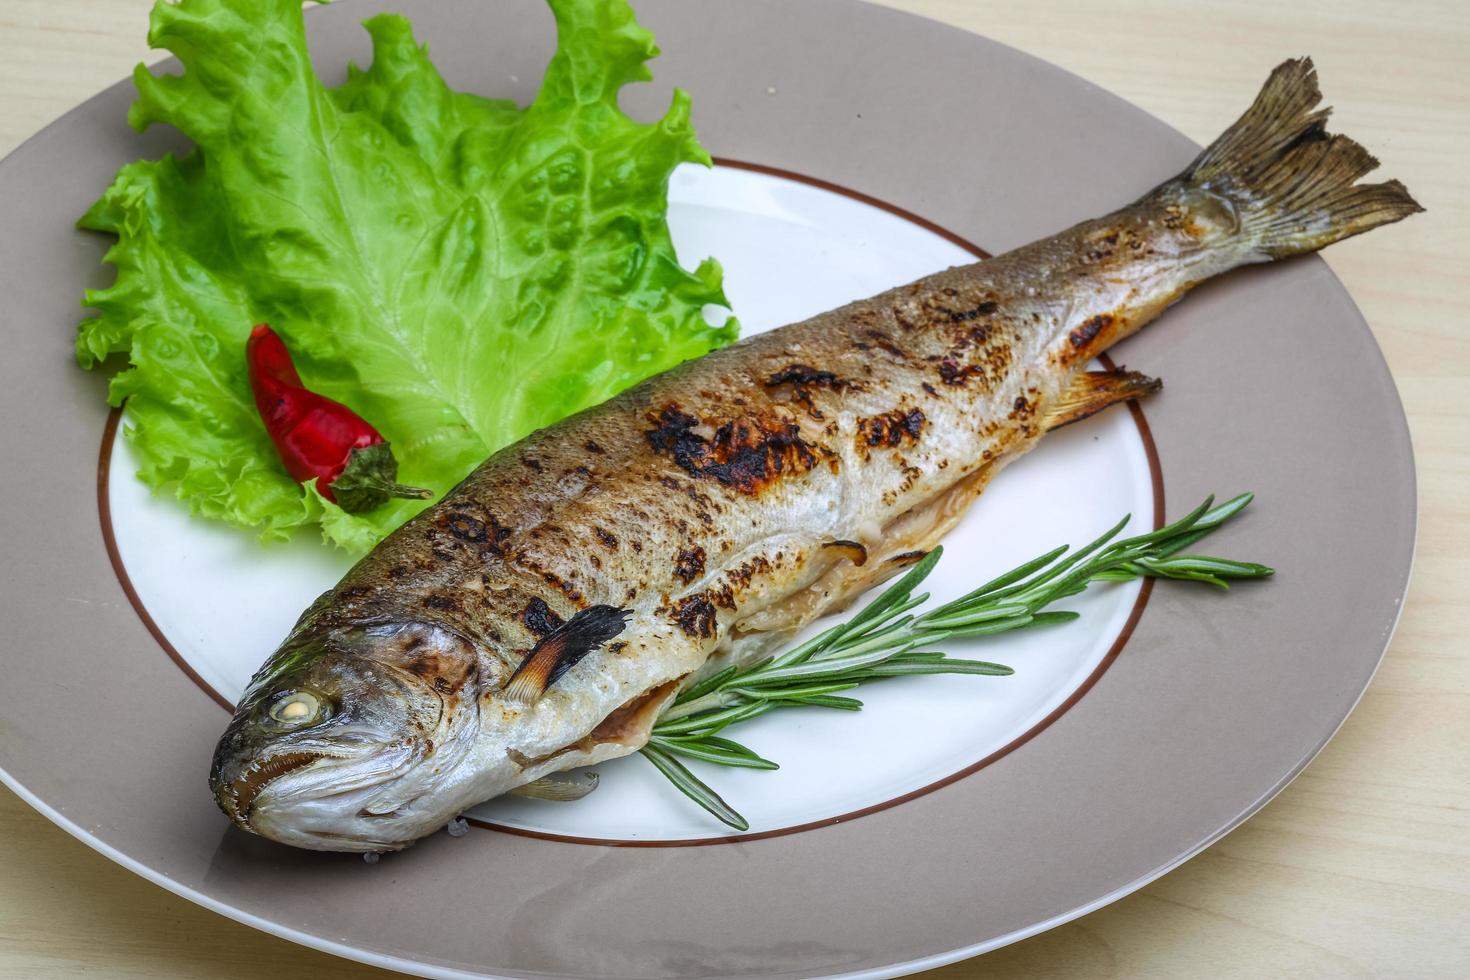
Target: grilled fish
[542,614]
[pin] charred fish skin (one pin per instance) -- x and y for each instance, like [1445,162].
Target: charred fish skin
[539,616]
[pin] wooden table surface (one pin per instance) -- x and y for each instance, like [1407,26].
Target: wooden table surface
[1362,866]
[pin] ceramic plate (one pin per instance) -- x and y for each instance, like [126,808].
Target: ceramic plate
[858,148]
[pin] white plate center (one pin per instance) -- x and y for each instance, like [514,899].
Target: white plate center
[790,250]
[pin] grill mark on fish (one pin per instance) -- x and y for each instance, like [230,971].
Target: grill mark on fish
[806,375]
[800,379]
[483,530]
[539,618]
[955,374]
[1083,335]
[746,454]
[465,527]
[984,309]
[689,564]
[974,337]
[696,616]
[748,570]
[890,428]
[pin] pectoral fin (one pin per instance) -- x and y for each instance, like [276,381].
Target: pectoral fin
[558,650]
[1093,391]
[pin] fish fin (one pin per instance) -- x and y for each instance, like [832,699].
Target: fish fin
[556,652]
[1290,181]
[559,786]
[1093,391]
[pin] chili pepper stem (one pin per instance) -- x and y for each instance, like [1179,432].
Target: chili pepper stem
[318,438]
[369,479]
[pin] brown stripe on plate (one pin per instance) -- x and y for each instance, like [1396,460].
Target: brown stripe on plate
[867,199]
[104,514]
[1156,475]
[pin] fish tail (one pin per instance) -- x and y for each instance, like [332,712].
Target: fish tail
[1291,183]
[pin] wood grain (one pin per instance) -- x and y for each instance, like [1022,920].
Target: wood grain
[1361,868]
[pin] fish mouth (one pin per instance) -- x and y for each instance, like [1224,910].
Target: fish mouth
[237,797]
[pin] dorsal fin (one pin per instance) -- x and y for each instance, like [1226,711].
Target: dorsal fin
[556,652]
[1093,391]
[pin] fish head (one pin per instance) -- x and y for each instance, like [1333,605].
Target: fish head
[353,739]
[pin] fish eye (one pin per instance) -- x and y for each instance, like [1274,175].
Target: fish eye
[295,709]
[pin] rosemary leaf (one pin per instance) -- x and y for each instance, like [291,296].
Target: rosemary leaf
[828,701]
[798,691]
[946,666]
[707,720]
[706,752]
[1005,610]
[690,785]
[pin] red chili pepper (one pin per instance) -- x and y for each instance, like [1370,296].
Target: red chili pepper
[318,438]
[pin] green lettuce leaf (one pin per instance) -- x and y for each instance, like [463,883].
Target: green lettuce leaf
[459,270]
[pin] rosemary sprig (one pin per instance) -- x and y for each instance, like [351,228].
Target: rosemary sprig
[886,639]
